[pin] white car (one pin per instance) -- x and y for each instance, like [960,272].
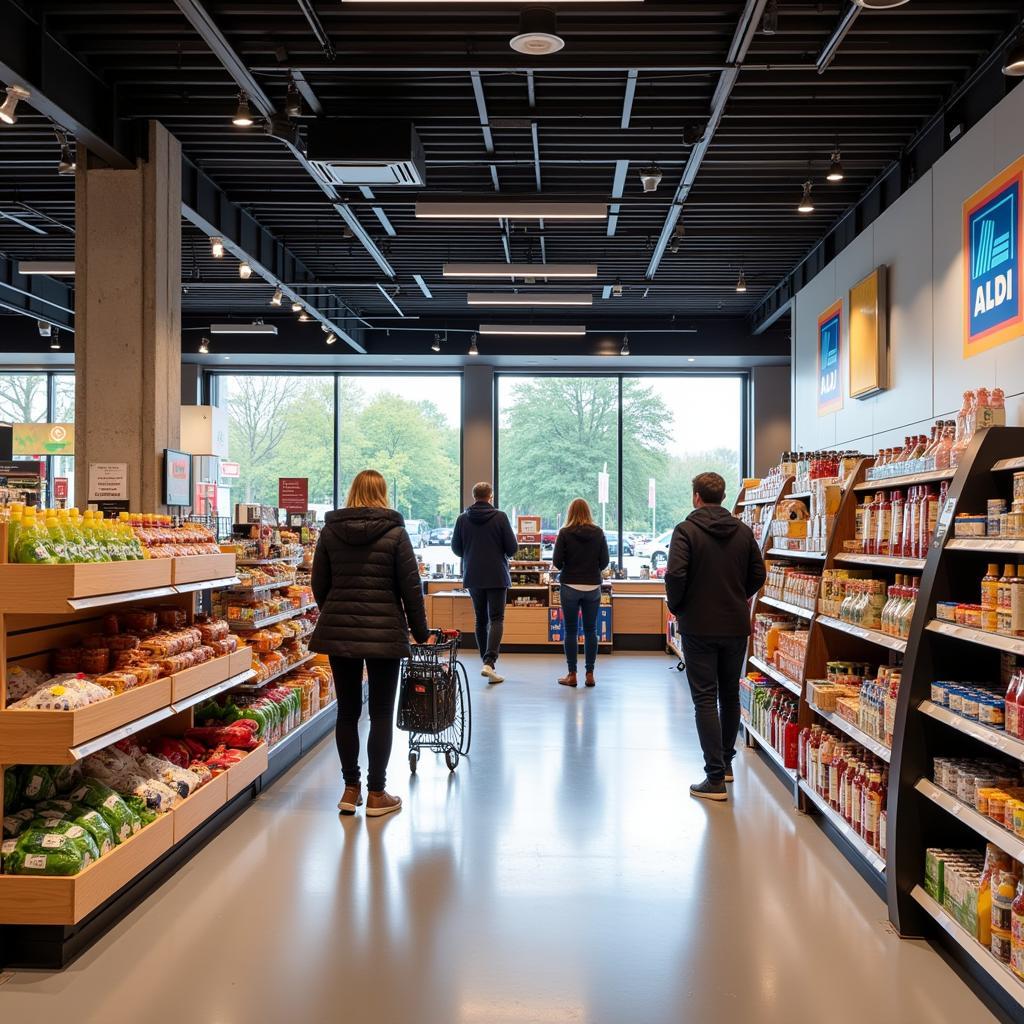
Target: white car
[656,551]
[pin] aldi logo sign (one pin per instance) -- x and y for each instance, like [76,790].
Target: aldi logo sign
[830,374]
[992,224]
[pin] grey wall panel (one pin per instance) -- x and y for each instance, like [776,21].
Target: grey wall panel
[770,415]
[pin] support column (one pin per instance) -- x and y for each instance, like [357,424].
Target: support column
[128,317]
[771,431]
[477,428]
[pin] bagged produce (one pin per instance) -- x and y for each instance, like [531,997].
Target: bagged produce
[7,847]
[67,776]
[138,805]
[23,681]
[12,788]
[82,839]
[37,783]
[50,808]
[243,734]
[15,824]
[94,823]
[181,780]
[39,852]
[173,750]
[123,821]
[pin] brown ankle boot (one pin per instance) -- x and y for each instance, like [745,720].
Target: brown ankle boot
[591,681]
[569,679]
[350,799]
[381,803]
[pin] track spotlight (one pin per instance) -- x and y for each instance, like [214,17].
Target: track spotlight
[677,238]
[651,178]
[14,94]
[293,101]
[296,306]
[66,164]
[243,115]
[617,289]
[204,347]
[436,346]
[55,340]
[741,283]
[538,34]
[44,328]
[277,298]
[244,270]
[216,248]
[1013,62]
[806,203]
[473,350]
[770,20]
[835,171]
[624,351]
[304,317]
[331,338]
[692,134]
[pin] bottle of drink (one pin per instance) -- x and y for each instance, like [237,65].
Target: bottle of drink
[1017,603]
[872,808]
[896,525]
[1004,890]
[945,446]
[1017,932]
[997,406]
[1017,698]
[883,527]
[867,526]
[1005,594]
[929,520]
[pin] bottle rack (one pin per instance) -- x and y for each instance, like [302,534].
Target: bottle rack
[920,815]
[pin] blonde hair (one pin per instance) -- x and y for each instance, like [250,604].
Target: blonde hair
[368,490]
[579,514]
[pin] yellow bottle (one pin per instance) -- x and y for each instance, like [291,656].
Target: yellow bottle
[990,599]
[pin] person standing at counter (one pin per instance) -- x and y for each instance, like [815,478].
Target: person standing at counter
[483,538]
[581,553]
[714,568]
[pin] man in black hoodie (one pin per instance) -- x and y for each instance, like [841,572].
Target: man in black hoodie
[714,568]
[483,538]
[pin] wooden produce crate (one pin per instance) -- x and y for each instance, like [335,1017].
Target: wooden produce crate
[196,568]
[47,737]
[51,588]
[201,805]
[192,680]
[247,771]
[241,661]
[66,900]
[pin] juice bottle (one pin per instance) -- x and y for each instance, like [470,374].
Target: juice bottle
[872,808]
[1005,593]
[990,599]
[867,516]
[997,407]
[1017,932]
[883,527]
[1018,700]
[995,860]
[1004,891]
[16,513]
[896,525]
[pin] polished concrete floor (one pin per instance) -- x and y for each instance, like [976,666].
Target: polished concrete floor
[561,875]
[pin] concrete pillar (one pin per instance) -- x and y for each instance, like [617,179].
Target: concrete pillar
[128,317]
[477,428]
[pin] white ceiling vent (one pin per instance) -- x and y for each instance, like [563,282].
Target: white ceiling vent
[373,153]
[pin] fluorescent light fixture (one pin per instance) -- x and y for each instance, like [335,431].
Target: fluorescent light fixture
[7,108]
[277,298]
[216,247]
[512,209]
[244,270]
[550,271]
[529,299]
[242,328]
[538,330]
[53,268]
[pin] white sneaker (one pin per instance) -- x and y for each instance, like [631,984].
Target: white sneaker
[490,675]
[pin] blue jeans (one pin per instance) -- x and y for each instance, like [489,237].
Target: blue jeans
[574,602]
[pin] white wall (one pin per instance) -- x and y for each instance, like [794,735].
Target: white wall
[919,239]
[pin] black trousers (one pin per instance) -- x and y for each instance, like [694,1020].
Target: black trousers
[489,608]
[713,668]
[382,674]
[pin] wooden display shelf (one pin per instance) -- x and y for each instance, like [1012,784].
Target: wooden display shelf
[880,561]
[59,589]
[933,476]
[773,673]
[840,824]
[256,683]
[201,677]
[984,826]
[288,613]
[869,742]
[874,636]
[198,568]
[26,899]
[243,591]
[1008,465]
[769,749]
[247,771]
[785,606]
[1010,644]
[212,691]
[202,804]
[767,500]
[994,738]
[241,661]
[63,737]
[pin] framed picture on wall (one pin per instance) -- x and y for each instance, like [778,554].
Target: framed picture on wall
[830,374]
[869,335]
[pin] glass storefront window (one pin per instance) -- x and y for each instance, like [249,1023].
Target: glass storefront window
[23,397]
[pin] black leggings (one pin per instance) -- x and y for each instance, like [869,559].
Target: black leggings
[348,681]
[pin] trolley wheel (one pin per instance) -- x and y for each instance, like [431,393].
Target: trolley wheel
[413,759]
[466,709]
[451,758]
[680,667]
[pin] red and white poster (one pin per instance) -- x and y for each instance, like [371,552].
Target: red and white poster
[60,488]
[293,494]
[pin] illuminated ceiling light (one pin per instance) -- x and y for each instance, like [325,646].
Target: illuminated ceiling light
[529,299]
[14,94]
[331,338]
[243,328]
[880,5]
[624,351]
[216,248]
[296,306]
[243,115]
[1013,64]
[617,289]
[741,282]
[52,268]
[277,298]
[293,101]
[538,34]
[512,209]
[651,178]
[204,347]
[691,359]
[436,346]
[473,350]
[551,271]
[677,237]
[806,203]
[55,340]
[67,163]
[531,330]
[835,171]
[304,317]
[244,270]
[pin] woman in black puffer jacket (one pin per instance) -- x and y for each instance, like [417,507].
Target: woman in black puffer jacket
[367,584]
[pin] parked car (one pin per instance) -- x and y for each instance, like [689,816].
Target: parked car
[418,532]
[656,551]
[441,536]
[613,547]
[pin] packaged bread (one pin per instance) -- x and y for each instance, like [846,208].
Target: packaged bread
[213,629]
[170,617]
[263,640]
[66,659]
[140,621]
[111,624]
[121,641]
[93,640]
[95,660]
[118,681]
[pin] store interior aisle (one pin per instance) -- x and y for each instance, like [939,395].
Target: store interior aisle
[561,875]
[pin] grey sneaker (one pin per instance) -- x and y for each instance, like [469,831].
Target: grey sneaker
[708,790]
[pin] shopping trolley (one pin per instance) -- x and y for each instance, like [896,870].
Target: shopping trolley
[434,704]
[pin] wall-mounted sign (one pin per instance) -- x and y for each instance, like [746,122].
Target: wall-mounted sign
[230,470]
[60,488]
[177,478]
[528,529]
[869,335]
[293,494]
[830,342]
[37,439]
[108,481]
[993,276]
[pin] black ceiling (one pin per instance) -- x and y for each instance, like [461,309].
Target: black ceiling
[448,66]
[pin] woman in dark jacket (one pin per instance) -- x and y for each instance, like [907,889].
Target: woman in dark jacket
[367,584]
[581,552]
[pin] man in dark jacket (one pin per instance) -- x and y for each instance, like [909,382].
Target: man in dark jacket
[484,540]
[714,568]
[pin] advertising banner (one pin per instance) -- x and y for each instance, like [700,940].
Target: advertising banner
[60,488]
[293,494]
[992,225]
[830,377]
[36,439]
[177,478]
[556,625]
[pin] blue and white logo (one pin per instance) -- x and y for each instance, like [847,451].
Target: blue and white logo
[994,255]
